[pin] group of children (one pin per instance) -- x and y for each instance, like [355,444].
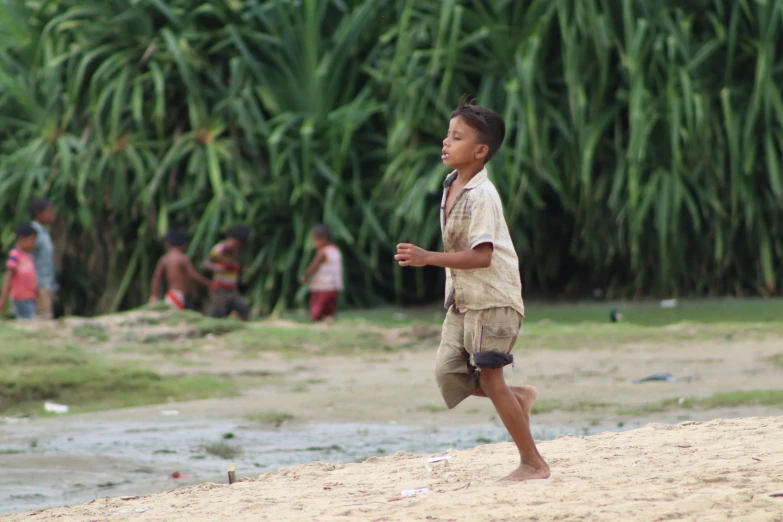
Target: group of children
[30,275]
[30,281]
[325,274]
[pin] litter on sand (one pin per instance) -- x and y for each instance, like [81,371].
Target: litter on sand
[169,412]
[53,407]
[438,459]
[412,492]
[665,377]
[669,303]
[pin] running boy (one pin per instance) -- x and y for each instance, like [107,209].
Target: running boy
[483,288]
[42,215]
[178,269]
[20,279]
[325,274]
[223,261]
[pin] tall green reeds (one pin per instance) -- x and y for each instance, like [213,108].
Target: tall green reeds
[643,152]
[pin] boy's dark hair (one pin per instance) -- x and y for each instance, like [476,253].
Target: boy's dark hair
[239,232]
[38,205]
[177,237]
[489,125]
[26,230]
[321,231]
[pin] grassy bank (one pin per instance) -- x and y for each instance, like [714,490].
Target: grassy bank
[33,370]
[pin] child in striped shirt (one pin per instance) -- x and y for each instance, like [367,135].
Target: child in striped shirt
[224,263]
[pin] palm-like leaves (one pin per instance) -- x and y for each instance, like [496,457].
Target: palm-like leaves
[643,146]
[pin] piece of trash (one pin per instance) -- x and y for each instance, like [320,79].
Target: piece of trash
[176,475]
[412,492]
[681,401]
[53,407]
[466,486]
[776,495]
[438,459]
[668,303]
[668,377]
[232,472]
[615,315]
[169,412]
[141,510]
[757,460]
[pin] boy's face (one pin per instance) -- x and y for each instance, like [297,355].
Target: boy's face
[234,245]
[461,146]
[27,243]
[318,242]
[46,217]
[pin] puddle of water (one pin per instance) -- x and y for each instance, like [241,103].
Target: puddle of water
[96,459]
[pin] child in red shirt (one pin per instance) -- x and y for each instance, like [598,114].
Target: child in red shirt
[20,280]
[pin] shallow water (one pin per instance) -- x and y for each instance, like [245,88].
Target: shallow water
[84,460]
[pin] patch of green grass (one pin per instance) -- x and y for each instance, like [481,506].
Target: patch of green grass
[223,450]
[91,331]
[315,381]
[731,399]
[276,418]
[31,374]
[338,340]
[548,406]
[209,325]
[776,360]
[431,408]
[300,388]
[10,451]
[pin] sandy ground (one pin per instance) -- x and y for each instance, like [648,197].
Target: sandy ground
[719,470]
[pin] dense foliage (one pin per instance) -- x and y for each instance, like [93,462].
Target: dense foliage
[643,153]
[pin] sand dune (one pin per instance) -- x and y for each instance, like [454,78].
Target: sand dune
[718,470]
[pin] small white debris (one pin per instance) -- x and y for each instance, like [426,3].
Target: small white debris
[438,459]
[413,492]
[53,407]
[169,412]
[669,303]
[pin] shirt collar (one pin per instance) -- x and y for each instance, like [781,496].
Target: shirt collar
[473,183]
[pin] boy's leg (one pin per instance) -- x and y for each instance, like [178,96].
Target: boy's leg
[218,306]
[532,466]
[44,304]
[455,378]
[239,304]
[489,337]
[24,308]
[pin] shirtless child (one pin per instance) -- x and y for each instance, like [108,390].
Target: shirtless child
[178,269]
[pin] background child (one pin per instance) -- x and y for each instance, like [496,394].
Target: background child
[178,269]
[20,278]
[42,214]
[326,272]
[224,263]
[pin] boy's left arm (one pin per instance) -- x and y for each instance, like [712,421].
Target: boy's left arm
[317,261]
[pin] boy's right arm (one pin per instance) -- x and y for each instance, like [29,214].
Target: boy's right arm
[6,288]
[193,274]
[210,262]
[156,281]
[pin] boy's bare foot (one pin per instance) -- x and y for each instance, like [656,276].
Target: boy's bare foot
[525,472]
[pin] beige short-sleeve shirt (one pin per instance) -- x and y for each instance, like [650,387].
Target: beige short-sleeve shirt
[477,218]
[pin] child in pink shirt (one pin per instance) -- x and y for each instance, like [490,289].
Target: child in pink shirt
[20,280]
[325,275]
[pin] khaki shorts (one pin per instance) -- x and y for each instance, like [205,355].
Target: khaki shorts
[469,341]
[43,304]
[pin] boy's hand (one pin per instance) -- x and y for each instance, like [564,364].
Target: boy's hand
[411,255]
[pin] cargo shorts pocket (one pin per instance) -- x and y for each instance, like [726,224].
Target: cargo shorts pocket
[497,338]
